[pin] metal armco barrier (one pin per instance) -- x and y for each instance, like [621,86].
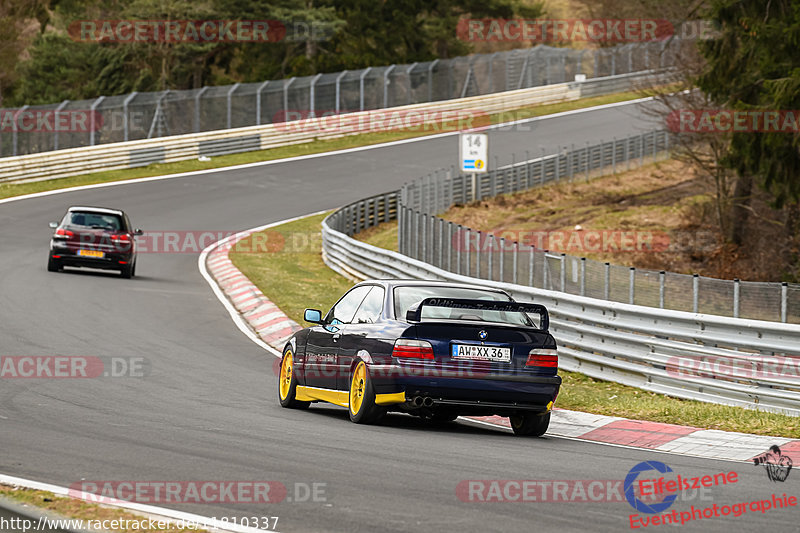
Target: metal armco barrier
[131,154]
[729,361]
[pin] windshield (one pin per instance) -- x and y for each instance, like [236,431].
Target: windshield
[406,297]
[95,220]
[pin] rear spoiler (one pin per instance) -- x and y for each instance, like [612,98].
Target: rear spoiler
[414,313]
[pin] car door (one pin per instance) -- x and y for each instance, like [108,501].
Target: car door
[322,344]
[360,334]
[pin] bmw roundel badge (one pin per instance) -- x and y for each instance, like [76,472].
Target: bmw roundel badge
[482,334]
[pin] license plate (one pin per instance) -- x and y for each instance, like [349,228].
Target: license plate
[482,353]
[90,253]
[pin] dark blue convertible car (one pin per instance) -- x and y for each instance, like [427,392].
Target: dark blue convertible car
[431,349]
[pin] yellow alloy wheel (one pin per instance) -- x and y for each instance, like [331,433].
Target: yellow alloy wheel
[286,375]
[357,388]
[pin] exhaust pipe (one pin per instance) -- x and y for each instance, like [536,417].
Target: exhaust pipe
[427,402]
[417,401]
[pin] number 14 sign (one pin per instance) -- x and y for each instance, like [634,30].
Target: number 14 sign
[474,152]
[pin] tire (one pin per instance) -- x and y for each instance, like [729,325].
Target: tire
[133,269]
[362,407]
[530,424]
[287,383]
[127,271]
[53,265]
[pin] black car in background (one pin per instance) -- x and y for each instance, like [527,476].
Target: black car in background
[94,237]
[431,349]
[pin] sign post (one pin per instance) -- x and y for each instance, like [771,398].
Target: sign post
[473,155]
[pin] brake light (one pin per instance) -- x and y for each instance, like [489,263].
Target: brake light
[412,348]
[542,358]
[64,232]
[122,238]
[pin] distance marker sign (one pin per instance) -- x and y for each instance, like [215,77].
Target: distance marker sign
[474,152]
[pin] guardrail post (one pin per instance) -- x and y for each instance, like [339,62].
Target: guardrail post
[58,111]
[583,276]
[92,127]
[661,279]
[607,276]
[784,296]
[466,252]
[514,260]
[695,293]
[530,265]
[197,109]
[361,87]
[386,85]
[563,272]
[501,277]
[631,284]
[228,102]
[736,297]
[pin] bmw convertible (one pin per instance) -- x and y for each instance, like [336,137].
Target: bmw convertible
[431,349]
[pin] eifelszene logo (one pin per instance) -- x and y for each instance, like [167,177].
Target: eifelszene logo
[778,465]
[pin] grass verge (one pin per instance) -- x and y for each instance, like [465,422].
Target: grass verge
[290,278]
[71,508]
[351,141]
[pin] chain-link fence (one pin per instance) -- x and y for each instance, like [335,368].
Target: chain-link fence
[526,259]
[73,124]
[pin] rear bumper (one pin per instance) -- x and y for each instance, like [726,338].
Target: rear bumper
[487,393]
[68,256]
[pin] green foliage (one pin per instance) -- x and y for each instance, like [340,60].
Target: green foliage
[347,34]
[754,65]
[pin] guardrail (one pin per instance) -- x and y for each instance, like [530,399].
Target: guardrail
[115,156]
[747,363]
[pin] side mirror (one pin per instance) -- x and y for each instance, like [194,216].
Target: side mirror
[313,315]
[137,231]
[53,225]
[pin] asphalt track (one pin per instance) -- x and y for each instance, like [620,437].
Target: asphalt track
[208,409]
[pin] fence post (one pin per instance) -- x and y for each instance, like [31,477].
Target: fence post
[258,101]
[736,298]
[528,169]
[641,145]
[583,277]
[338,95]
[416,234]
[514,259]
[361,87]
[424,236]
[441,242]
[588,161]
[563,273]
[312,96]
[55,130]
[607,275]
[466,252]
[197,109]
[530,266]
[631,283]
[386,85]
[228,106]
[478,257]
[286,86]
[125,119]
[695,291]
[449,246]
[92,118]
[502,258]
[491,256]
[784,296]
[614,156]
[661,279]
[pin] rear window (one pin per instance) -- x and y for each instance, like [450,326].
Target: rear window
[406,297]
[95,220]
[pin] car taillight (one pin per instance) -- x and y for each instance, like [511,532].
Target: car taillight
[64,232]
[413,349]
[543,358]
[121,238]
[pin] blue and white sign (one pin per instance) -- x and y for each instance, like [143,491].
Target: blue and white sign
[474,152]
